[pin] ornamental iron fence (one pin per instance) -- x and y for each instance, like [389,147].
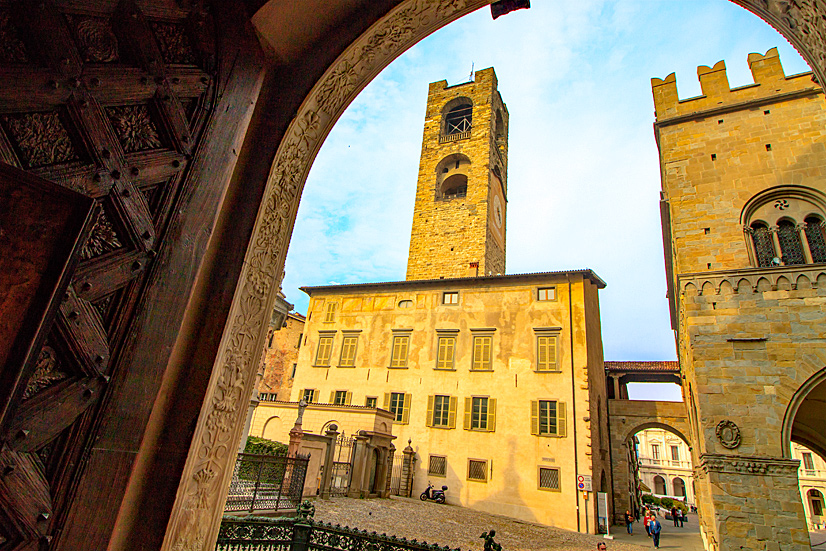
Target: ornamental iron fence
[267,483]
[302,533]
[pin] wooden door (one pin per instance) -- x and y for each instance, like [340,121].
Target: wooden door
[109,100]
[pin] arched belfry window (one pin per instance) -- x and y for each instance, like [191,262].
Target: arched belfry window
[784,226]
[457,119]
[452,176]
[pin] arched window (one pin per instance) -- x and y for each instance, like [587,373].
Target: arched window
[790,247]
[454,186]
[679,487]
[659,485]
[815,238]
[771,220]
[457,117]
[815,502]
[763,245]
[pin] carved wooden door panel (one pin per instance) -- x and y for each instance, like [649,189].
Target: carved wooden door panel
[107,99]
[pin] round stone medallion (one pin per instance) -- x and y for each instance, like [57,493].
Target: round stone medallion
[728,434]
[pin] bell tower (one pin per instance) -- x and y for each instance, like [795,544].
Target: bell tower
[461,196]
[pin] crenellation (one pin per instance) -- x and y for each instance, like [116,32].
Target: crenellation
[769,81]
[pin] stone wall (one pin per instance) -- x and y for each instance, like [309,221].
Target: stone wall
[280,355]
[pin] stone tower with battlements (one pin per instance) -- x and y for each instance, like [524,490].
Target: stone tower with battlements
[461,196]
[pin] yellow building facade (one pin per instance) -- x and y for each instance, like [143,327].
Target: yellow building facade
[496,380]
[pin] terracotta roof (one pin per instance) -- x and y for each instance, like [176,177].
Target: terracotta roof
[660,365]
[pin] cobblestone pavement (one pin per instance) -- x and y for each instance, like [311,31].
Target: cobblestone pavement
[453,526]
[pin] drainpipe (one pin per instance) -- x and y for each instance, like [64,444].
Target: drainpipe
[573,399]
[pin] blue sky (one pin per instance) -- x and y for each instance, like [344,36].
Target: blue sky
[583,182]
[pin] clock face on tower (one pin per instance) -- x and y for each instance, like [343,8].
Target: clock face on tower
[497,211]
[497,214]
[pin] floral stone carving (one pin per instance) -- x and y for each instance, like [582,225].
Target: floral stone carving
[134,127]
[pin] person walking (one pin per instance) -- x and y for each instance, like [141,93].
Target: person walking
[629,522]
[655,528]
[681,513]
[674,516]
[646,520]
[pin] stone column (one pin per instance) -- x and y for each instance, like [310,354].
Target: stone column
[326,478]
[358,466]
[406,486]
[751,502]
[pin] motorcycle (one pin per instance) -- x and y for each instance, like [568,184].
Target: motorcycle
[433,494]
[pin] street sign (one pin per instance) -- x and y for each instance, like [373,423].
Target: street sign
[583,482]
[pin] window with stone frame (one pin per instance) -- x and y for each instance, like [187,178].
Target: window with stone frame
[330,312]
[437,465]
[341,397]
[458,117]
[349,344]
[399,350]
[482,352]
[446,351]
[546,350]
[784,226]
[477,469]
[324,350]
[548,478]
[309,395]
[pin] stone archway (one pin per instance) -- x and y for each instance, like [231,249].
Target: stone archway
[207,468]
[805,420]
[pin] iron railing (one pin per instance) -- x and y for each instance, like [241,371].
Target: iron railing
[267,483]
[305,534]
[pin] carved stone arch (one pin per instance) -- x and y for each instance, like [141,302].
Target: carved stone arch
[821,280]
[690,289]
[658,425]
[708,289]
[726,288]
[206,476]
[745,286]
[463,106]
[763,285]
[777,193]
[452,176]
[783,284]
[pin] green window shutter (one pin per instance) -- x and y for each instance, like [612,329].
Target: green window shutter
[535,417]
[552,353]
[332,397]
[491,414]
[468,406]
[561,429]
[451,414]
[387,401]
[406,409]
[429,420]
[349,398]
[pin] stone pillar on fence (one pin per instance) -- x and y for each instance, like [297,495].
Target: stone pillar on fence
[296,434]
[360,457]
[406,485]
[327,477]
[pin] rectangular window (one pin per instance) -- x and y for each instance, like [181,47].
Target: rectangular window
[480,413]
[401,344]
[370,401]
[546,352]
[548,418]
[398,403]
[482,345]
[300,336]
[340,397]
[447,350]
[817,508]
[450,297]
[330,312]
[325,347]
[441,411]
[292,375]
[655,451]
[548,478]
[808,463]
[348,351]
[309,395]
[477,469]
[546,293]
[437,465]
[675,453]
